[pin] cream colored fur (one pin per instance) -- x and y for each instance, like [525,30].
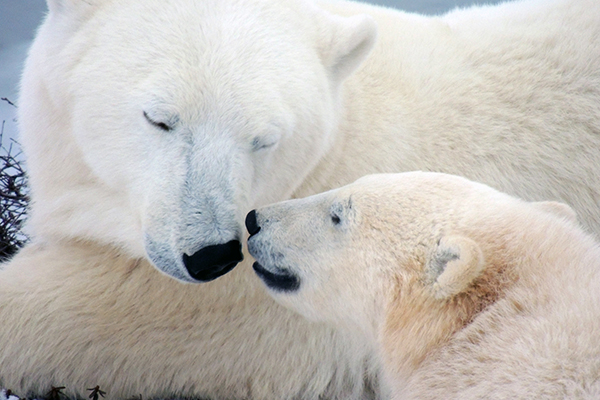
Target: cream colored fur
[464,292]
[264,102]
[452,275]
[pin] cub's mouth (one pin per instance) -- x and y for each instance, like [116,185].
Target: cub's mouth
[276,278]
[281,281]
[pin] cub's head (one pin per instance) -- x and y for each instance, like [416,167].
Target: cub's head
[156,125]
[418,238]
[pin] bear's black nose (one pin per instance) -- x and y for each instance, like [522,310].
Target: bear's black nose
[251,223]
[213,261]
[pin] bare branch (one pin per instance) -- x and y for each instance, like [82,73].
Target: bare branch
[13,202]
[8,101]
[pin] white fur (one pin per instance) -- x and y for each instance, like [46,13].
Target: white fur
[263,105]
[464,292]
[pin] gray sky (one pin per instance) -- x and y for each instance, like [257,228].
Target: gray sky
[19,19]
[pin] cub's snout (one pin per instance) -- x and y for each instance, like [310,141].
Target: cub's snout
[251,223]
[270,265]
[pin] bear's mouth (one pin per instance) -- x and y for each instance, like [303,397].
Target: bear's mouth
[281,281]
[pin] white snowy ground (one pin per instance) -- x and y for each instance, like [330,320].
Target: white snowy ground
[3,396]
[20,18]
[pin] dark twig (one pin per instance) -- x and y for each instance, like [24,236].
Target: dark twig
[8,101]
[96,392]
[13,202]
[55,393]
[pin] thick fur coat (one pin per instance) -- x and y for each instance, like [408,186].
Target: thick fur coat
[152,127]
[462,291]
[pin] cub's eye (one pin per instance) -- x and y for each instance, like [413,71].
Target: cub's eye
[160,125]
[335,219]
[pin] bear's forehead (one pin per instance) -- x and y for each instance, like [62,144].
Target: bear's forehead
[209,58]
[197,38]
[218,20]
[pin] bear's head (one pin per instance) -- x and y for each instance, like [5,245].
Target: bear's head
[424,249]
[156,125]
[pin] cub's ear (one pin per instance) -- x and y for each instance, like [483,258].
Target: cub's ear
[558,209]
[453,265]
[345,43]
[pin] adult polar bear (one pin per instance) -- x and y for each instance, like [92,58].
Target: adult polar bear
[152,127]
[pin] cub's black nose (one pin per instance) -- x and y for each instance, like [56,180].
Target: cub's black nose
[213,261]
[251,223]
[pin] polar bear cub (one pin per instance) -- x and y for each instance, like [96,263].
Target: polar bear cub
[462,291]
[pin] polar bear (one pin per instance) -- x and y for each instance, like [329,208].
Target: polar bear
[463,292]
[152,127]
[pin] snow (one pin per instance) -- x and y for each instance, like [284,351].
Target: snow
[3,396]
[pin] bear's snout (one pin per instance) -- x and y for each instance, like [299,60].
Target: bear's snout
[213,261]
[252,223]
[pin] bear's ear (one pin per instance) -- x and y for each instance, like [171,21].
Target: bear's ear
[454,264]
[558,209]
[346,43]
